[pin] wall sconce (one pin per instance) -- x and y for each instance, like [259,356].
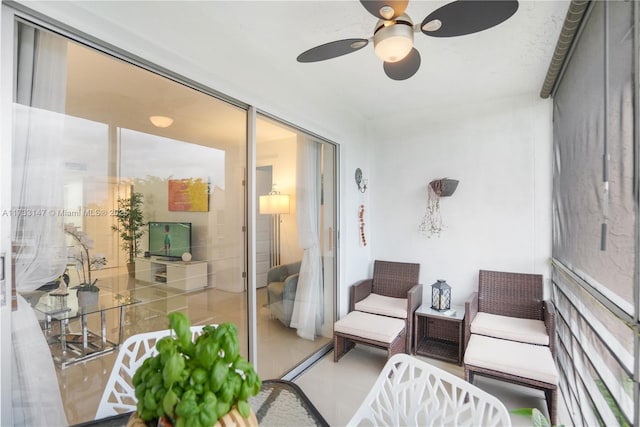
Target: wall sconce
[362,183]
[274,204]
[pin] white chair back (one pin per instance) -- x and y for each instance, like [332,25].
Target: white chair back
[411,392]
[119,394]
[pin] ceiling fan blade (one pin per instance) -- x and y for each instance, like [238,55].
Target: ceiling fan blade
[404,69]
[385,9]
[332,50]
[467,16]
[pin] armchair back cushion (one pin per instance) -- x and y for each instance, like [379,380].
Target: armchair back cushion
[394,279]
[511,294]
[280,272]
[282,285]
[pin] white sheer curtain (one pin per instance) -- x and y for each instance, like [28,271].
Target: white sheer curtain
[307,309]
[37,224]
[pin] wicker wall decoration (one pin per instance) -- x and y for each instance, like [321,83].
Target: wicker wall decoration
[431,224]
[444,187]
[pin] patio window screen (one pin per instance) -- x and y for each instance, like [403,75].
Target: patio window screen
[594,220]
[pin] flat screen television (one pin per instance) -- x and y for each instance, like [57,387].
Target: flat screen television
[169,239]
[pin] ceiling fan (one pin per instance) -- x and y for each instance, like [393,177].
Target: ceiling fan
[393,33]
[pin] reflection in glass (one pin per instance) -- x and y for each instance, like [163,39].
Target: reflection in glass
[299,307]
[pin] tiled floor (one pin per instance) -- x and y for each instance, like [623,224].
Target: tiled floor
[280,349]
[336,389]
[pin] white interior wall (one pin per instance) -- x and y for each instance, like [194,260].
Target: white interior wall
[499,218]
[354,259]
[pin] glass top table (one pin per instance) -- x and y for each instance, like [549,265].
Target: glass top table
[279,403]
[60,306]
[87,344]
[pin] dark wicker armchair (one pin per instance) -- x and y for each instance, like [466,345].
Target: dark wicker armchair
[510,333]
[514,295]
[391,279]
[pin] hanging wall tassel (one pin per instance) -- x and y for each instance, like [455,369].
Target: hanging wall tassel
[363,237]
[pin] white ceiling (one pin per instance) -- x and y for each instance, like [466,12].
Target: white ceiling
[252,46]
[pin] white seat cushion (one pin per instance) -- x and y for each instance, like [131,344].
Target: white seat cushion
[510,328]
[386,306]
[370,326]
[524,360]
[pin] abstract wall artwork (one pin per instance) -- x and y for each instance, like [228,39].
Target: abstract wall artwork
[188,195]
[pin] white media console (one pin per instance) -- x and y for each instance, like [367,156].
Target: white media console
[186,276]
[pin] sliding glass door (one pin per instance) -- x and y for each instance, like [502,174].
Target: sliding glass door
[92,131]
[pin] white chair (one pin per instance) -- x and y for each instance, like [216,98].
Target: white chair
[410,392]
[119,394]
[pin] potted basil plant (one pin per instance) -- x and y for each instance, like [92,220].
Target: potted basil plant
[203,382]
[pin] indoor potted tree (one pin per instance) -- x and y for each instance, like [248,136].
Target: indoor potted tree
[130,226]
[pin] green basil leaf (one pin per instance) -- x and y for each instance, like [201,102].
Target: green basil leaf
[244,408]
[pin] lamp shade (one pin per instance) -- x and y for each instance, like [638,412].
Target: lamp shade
[440,295]
[274,204]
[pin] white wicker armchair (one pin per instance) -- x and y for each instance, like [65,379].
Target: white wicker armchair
[410,392]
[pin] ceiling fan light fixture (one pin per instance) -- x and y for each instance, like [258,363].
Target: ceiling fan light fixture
[433,25]
[161,121]
[359,44]
[393,42]
[393,33]
[387,12]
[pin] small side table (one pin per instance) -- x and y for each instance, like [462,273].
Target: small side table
[439,335]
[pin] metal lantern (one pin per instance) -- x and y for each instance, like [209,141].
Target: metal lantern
[440,295]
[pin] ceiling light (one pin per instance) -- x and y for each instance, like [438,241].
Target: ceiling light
[161,121]
[393,42]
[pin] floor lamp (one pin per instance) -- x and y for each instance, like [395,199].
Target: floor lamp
[274,204]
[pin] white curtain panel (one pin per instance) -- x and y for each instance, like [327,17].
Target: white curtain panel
[37,221]
[307,310]
[38,159]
